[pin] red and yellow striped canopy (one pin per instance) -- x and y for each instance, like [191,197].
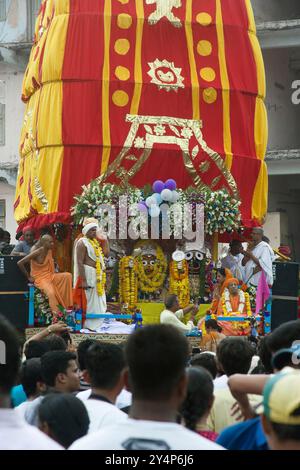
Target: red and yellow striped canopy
[131,91]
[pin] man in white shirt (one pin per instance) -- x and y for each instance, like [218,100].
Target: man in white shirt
[105,366]
[173,314]
[157,356]
[15,434]
[259,257]
[233,261]
[234,356]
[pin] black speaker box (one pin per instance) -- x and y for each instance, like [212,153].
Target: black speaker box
[286,279]
[14,307]
[11,278]
[283,311]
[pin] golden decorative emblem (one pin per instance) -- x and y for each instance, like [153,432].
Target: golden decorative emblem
[164,10]
[165,75]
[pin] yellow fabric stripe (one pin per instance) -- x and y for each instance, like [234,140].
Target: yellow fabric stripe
[261,129]
[55,48]
[260,67]
[252,25]
[225,86]
[193,67]
[105,88]
[260,195]
[138,73]
[49,174]
[49,121]
[62,7]
[22,211]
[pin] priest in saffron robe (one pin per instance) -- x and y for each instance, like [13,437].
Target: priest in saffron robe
[234,302]
[90,276]
[56,286]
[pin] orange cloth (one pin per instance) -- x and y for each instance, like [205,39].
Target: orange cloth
[211,340]
[56,286]
[219,291]
[229,281]
[230,328]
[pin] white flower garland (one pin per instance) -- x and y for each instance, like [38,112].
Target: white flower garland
[242,301]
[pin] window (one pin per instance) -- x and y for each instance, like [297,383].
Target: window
[2,124]
[33,8]
[2,10]
[2,213]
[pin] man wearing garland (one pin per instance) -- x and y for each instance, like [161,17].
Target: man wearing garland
[90,275]
[234,302]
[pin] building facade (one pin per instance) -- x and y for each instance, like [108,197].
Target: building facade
[278,24]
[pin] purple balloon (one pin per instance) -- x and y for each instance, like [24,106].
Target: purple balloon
[158,186]
[171,185]
[142,207]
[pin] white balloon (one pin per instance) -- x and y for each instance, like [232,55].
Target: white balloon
[175,196]
[166,195]
[150,201]
[154,211]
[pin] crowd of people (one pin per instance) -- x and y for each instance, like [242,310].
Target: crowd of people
[149,393]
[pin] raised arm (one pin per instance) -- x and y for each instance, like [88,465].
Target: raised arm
[22,263]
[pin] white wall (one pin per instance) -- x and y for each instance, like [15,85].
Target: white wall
[7,192]
[11,78]
[284,116]
[273,10]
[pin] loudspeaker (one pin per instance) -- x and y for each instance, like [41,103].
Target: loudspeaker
[14,307]
[286,279]
[11,278]
[283,311]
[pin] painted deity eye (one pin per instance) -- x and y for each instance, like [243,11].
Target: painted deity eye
[152,263]
[199,256]
[189,256]
[145,263]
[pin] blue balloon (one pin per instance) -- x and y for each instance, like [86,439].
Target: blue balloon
[158,186]
[171,185]
[158,198]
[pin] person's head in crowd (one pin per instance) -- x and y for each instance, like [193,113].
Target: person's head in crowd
[206,360]
[264,365]
[283,338]
[221,276]
[28,236]
[82,351]
[236,247]
[6,237]
[157,356]
[172,303]
[35,348]
[105,365]
[31,378]
[9,360]
[234,356]
[212,325]
[55,343]
[60,371]
[66,337]
[64,418]
[281,415]
[257,235]
[199,398]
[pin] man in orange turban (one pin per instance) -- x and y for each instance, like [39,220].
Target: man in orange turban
[234,302]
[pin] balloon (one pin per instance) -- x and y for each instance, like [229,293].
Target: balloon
[150,201]
[175,196]
[158,198]
[158,186]
[154,211]
[170,184]
[166,195]
[142,207]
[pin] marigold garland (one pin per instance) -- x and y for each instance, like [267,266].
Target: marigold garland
[179,283]
[128,285]
[154,282]
[100,267]
[227,309]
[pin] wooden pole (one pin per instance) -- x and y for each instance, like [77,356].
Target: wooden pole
[215,251]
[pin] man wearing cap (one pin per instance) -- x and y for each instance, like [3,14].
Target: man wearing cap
[90,275]
[259,257]
[281,415]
